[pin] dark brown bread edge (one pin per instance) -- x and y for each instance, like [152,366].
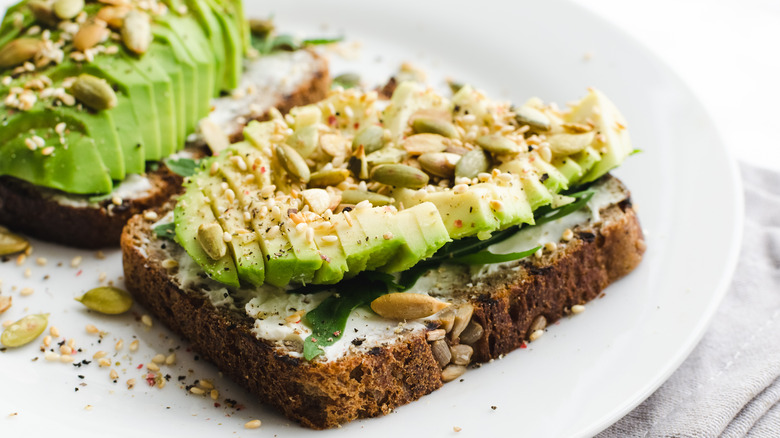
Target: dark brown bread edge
[24,208]
[324,395]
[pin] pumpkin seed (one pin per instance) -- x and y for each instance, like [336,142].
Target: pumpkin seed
[19,51]
[114,16]
[25,330]
[405,306]
[89,35]
[441,164]
[461,354]
[293,162]
[423,143]
[472,163]
[568,144]
[399,175]
[67,9]
[472,333]
[347,80]
[137,32]
[305,140]
[358,164]
[441,352]
[496,144]
[372,138]
[356,196]
[526,115]
[43,13]
[433,125]
[326,178]
[260,27]
[210,237]
[11,243]
[94,92]
[385,156]
[107,300]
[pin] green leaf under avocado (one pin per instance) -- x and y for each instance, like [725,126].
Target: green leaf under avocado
[183,166]
[486,257]
[283,42]
[165,231]
[329,319]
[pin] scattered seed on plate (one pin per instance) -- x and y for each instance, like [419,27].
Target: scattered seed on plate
[91,329]
[107,300]
[26,292]
[27,273]
[41,261]
[100,354]
[577,308]
[197,391]
[5,302]
[75,262]
[64,349]
[66,358]
[151,366]
[51,356]
[134,346]
[171,359]
[536,335]
[104,362]
[119,344]
[205,384]
[25,330]
[54,331]
[146,320]
[158,358]
[254,424]
[130,383]
[113,375]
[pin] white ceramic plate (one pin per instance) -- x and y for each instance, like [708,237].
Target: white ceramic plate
[583,375]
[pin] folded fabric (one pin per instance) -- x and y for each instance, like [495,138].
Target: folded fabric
[730,384]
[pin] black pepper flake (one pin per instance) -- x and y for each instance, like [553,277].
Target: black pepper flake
[494,407]
[181,378]
[80,376]
[75,390]
[544,177]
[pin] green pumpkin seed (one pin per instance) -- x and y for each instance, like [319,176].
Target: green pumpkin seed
[43,13]
[358,164]
[11,243]
[357,196]
[433,125]
[347,80]
[19,51]
[94,92]
[210,237]
[423,143]
[526,115]
[441,164]
[137,32]
[385,156]
[496,144]
[260,27]
[67,9]
[472,163]
[25,330]
[568,144]
[326,178]
[400,175]
[372,138]
[107,300]
[305,140]
[293,162]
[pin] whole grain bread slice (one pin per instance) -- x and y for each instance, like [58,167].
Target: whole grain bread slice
[502,309]
[80,222]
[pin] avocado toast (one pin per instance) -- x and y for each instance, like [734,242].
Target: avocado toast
[96,96]
[467,225]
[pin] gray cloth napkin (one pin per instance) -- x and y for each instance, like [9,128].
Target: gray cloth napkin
[730,384]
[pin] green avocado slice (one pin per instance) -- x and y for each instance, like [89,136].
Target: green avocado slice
[233,47]
[192,93]
[165,57]
[77,169]
[210,24]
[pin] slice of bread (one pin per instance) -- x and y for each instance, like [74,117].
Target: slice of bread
[493,312]
[283,80]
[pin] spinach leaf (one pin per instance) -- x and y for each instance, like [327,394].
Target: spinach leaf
[282,42]
[183,166]
[329,319]
[486,257]
[544,215]
[165,231]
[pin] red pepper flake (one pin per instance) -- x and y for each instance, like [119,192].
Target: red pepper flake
[150,379]
[458,223]
[314,340]
[262,169]
[523,345]
[337,333]
[79,273]
[356,125]
[332,121]
[216,404]
[140,365]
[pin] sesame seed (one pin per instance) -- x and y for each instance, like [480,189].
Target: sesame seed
[47,151]
[150,215]
[388,235]
[567,235]
[91,329]
[27,274]
[550,246]
[227,237]
[230,195]
[577,308]
[134,346]
[66,358]
[26,292]
[113,375]
[40,142]
[51,356]
[214,394]
[196,390]
[47,340]
[30,144]
[100,255]
[362,205]
[460,188]
[146,320]
[100,354]
[104,362]
[119,344]
[535,335]
[130,383]
[456,428]
[497,205]
[538,253]
[60,128]
[21,259]
[64,349]
[116,200]
[310,234]
[171,359]
[158,358]
[545,153]
[152,367]
[254,424]
[301,227]
[54,331]
[75,262]
[169,263]
[41,261]
[102,277]
[205,384]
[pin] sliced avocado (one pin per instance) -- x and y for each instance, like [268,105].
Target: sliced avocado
[353,241]
[536,192]
[190,79]
[77,169]
[334,260]
[568,168]
[192,210]
[512,207]
[554,180]
[243,245]
[586,159]
[465,214]
[233,44]
[383,238]
[210,24]
[166,58]
[422,231]
[308,257]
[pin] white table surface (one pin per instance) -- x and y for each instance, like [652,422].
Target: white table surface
[727,51]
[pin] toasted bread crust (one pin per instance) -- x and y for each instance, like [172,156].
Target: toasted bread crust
[25,208]
[323,395]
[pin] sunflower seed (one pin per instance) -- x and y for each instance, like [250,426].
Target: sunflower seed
[114,16]
[89,35]
[43,13]
[137,32]
[471,334]
[539,323]
[94,92]
[441,164]
[423,143]
[107,300]
[318,200]
[358,164]
[405,306]
[452,372]
[19,51]
[400,175]
[461,354]
[462,318]
[441,352]
[567,144]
